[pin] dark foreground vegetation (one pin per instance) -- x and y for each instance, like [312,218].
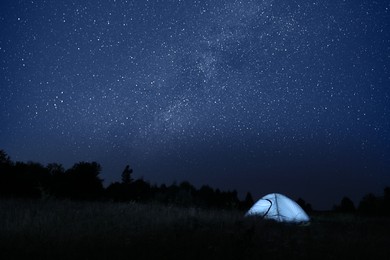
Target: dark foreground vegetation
[52,229]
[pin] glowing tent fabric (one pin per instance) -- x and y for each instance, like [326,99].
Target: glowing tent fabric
[279,208]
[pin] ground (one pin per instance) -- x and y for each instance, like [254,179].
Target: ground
[51,229]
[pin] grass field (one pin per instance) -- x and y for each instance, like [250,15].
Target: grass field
[38,229]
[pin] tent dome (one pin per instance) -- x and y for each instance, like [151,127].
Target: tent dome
[278,207]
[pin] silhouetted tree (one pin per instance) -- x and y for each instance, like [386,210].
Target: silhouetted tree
[61,182]
[118,192]
[160,193]
[140,190]
[122,191]
[55,169]
[386,201]
[7,178]
[4,158]
[29,179]
[84,182]
[305,206]
[346,206]
[126,175]
[206,196]
[248,201]
[376,205]
[370,205]
[229,200]
[185,194]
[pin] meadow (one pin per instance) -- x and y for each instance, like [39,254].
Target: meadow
[54,229]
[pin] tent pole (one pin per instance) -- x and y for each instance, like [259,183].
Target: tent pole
[277,207]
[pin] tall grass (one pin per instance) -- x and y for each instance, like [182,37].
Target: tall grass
[104,230]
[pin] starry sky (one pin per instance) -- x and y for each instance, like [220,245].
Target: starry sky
[263,96]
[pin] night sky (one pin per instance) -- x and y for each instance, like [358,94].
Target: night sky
[261,96]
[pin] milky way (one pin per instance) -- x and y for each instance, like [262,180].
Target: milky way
[260,96]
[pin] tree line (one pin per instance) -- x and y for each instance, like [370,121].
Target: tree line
[370,205]
[82,182]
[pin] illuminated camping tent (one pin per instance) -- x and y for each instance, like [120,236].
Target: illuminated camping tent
[279,208]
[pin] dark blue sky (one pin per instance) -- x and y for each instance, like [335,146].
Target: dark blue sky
[261,96]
